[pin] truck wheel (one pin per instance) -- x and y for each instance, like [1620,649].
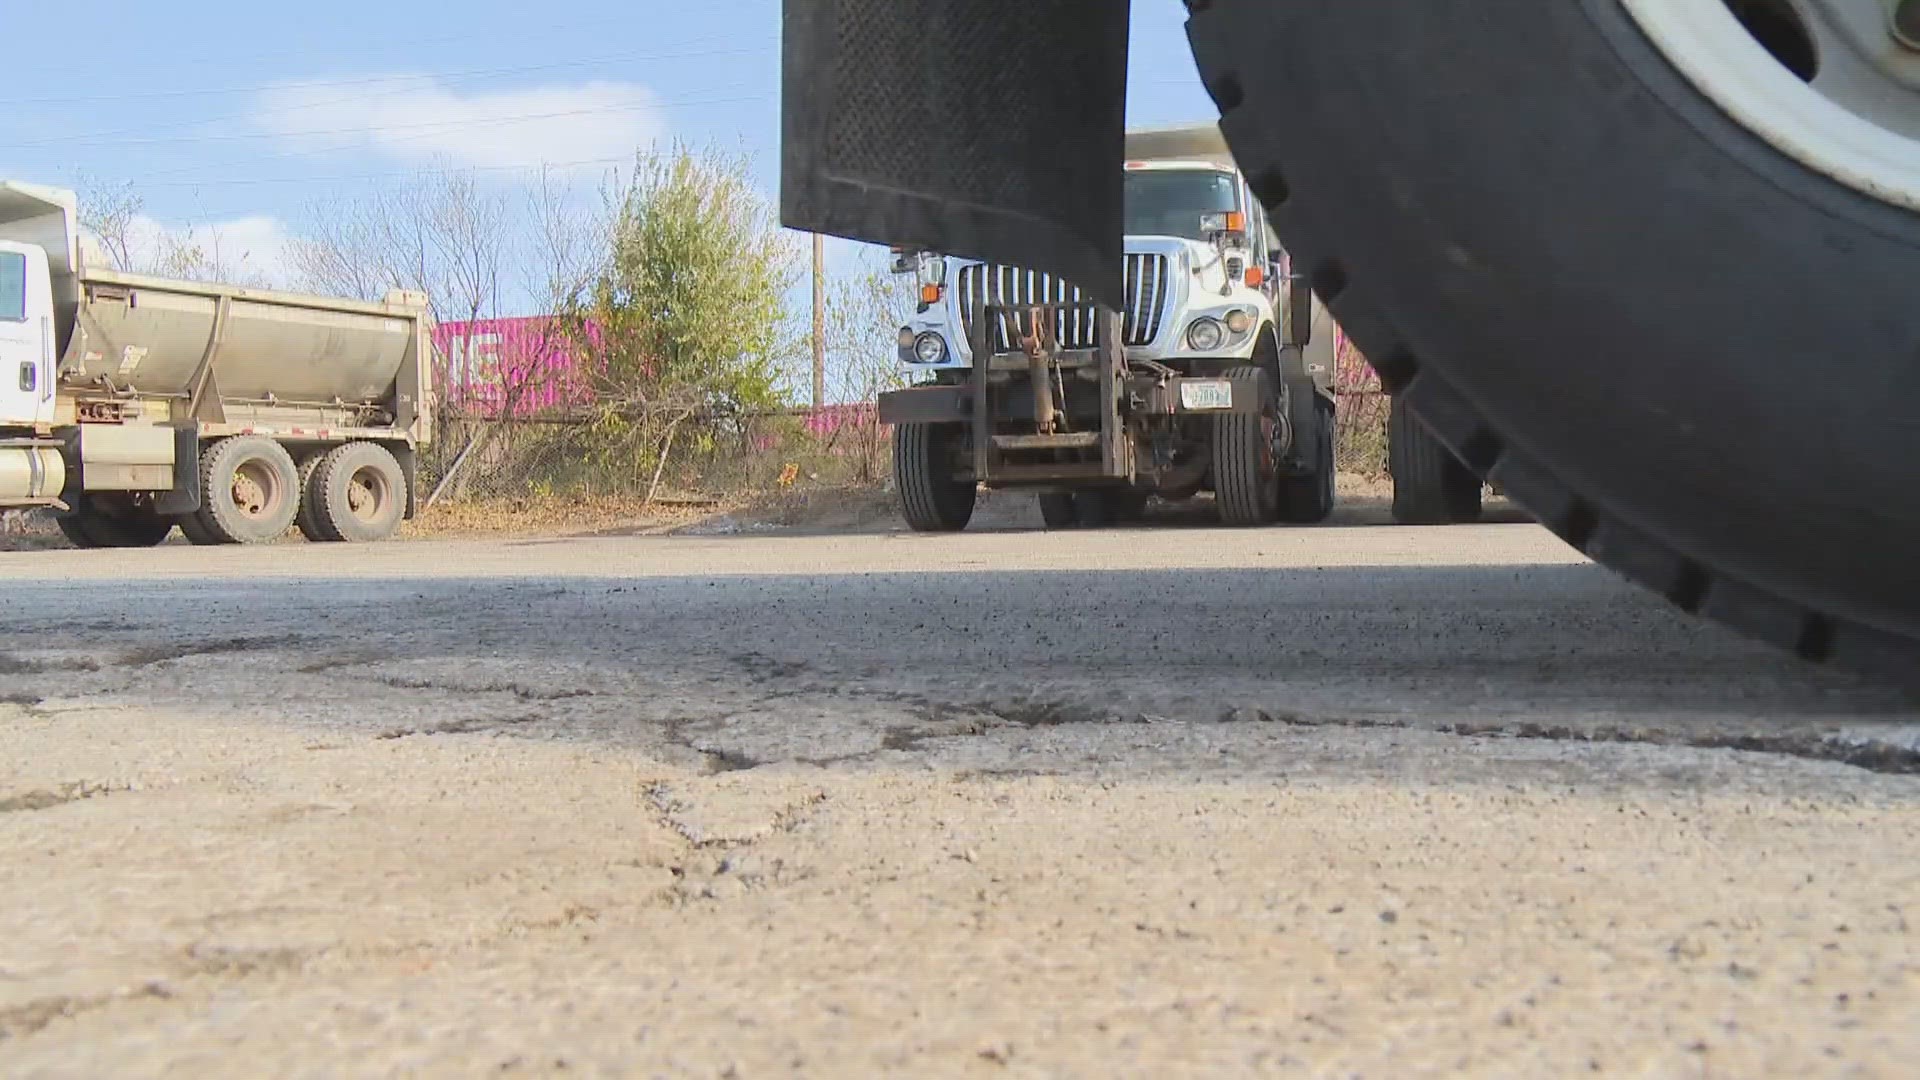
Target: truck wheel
[1622,267]
[931,499]
[1430,485]
[1057,510]
[1246,454]
[1127,507]
[250,490]
[1310,499]
[307,519]
[96,523]
[1095,509]
[196,530]
[359,493]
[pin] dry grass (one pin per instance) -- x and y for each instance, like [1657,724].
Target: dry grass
[560,516]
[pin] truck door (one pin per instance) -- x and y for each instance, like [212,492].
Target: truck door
[26,337]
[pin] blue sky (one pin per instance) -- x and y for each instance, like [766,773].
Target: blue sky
[242,116]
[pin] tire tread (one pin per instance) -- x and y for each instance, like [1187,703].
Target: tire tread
[1591,528]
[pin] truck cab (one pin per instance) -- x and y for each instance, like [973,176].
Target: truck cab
[1204,280]
[27,374]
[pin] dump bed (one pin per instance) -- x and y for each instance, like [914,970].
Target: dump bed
[229,355]
[269,350]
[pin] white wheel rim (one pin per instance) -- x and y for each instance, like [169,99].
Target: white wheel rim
[1704,40]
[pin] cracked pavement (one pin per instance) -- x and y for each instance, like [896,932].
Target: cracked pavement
[1338,799]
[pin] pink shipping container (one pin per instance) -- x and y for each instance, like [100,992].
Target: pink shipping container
[526,366]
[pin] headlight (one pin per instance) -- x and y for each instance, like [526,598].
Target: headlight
[1239,321]
[930,348]
[1206,335]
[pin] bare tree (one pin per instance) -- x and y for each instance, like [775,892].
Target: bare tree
[440,234]
[345,250]
[111,216]
[115,219]
[864,315]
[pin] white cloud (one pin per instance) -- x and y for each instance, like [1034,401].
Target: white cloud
[249,251]
[425,122]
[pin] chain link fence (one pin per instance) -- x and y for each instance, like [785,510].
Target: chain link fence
[530,459]
[1360,424]
[477,459]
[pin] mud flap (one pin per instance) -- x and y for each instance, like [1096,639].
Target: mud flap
[985,129]
[185,497]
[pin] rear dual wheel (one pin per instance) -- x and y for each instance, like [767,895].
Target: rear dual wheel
[1624,260]
[252,491]
[1430,485]
[355,493]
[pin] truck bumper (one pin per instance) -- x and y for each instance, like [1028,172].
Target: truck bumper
[926,405]
[1177,396]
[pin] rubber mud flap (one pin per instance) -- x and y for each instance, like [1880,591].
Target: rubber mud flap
[987,129]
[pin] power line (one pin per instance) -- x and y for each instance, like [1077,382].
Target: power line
[84,138]
[431,128]
[369,80]
[149,177]
[392,174]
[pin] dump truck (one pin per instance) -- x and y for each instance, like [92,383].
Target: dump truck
[1649,266]
[132,405]
[1202,381]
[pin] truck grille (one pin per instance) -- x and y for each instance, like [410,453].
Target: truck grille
[1146,288]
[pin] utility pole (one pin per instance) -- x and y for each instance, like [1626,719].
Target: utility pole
[819,322]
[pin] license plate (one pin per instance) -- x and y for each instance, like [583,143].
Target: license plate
[1207,394]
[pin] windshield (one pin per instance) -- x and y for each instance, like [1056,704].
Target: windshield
[1169,202]
[13,287]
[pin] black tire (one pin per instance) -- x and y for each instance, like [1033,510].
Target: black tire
[1430,485]
[931,499]
[307,519]
[94,523]
[1310,499]
[249,491]
[1573,265]
[1127,507]
[1095,509]
[196,530]
[359,494]
[1057,510]
[1246,464]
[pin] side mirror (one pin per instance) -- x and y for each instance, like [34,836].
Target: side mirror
[1299,312]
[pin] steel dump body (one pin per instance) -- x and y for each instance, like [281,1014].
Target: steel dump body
[268,358]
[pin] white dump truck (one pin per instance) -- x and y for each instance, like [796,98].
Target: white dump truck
[1216,375]
[131,405]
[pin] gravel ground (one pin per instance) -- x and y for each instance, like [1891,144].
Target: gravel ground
[1366,801]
